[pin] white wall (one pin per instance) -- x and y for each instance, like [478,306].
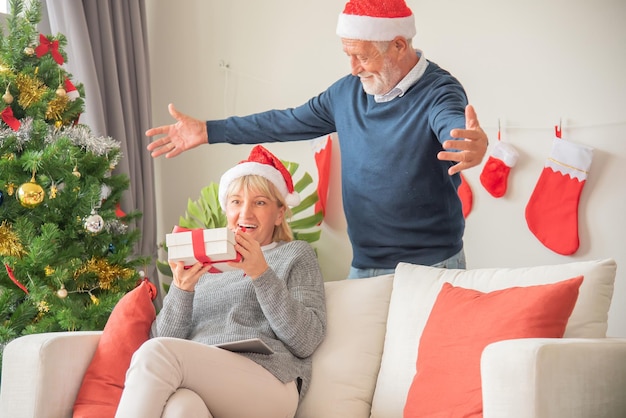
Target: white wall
[528,64]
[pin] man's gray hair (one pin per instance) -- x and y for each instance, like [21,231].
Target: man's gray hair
[383,46]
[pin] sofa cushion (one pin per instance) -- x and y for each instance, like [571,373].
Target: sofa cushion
[345,365]
[416,287]
[462,323]
[126,329]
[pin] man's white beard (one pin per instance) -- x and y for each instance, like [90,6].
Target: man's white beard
[386,80]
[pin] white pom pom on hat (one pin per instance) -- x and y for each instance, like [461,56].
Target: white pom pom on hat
[262,163]
[376,20]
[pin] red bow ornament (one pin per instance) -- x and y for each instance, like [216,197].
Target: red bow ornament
[46,45]
[9,119]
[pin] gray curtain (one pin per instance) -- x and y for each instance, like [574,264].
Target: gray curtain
[107,51]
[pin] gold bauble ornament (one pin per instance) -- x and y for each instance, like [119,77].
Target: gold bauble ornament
[29,50]
[62,293]
[30,194]
[7,97]
[61,91]
[75,172]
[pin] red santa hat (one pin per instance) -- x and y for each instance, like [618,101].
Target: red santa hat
[262,163]
[70,90]
[376,20]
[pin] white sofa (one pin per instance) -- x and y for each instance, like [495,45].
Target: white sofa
[365,366]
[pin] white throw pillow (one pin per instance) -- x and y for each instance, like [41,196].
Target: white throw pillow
[416,287]
[345,366]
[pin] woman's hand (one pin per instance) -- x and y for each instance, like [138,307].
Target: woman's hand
[253,261]
[186,279]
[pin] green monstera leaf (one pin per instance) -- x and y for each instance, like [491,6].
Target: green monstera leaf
[206,212]
[305,227]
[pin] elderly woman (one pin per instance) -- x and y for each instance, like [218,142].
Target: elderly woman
[276,294]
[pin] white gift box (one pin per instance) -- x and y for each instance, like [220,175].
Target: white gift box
[219,245]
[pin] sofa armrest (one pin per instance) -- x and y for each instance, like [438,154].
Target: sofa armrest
[42,373]
[547,378]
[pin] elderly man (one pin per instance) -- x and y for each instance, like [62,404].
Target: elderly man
[405,129]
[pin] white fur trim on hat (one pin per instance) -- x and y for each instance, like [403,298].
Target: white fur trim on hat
[367,28]
[70,90]
[264,170]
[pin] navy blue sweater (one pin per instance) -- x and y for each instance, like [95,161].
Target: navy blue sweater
[399,201]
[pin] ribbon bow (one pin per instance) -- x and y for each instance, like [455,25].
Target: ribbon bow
[199,252]
[9,119]
[46,45]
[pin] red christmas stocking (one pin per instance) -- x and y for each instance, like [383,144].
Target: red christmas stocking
[465,194]
[496,171]
[323,153]
[552,211]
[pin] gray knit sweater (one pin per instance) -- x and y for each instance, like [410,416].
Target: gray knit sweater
[285,307]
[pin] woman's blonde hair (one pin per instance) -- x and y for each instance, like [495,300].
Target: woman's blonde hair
[262,185]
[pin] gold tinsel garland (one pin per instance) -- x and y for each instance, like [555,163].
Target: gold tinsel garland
[10,244]
[56,107]
[106,272]
[31,90]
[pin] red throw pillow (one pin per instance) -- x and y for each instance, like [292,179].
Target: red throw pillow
[462,323]
[126,329]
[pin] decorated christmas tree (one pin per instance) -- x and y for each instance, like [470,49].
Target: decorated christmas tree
[66,248]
